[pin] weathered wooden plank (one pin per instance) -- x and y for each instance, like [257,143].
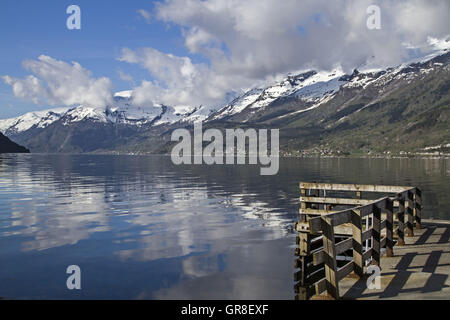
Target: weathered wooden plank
[316,212]
[389,224]
[302,226]
[410,214]
[315,225]
[304,243]
[340,217]
[365,210]
[321,286]
[344,246]
[345,271]
[303,206]
[316,276]
[309,274]
[357,245]
[401,223]
[367,254]
[418,208]
[376,236]
[330,261]
[383,242]
[353,187]
[306,292]
[366,235]
[336,201]
[319,257]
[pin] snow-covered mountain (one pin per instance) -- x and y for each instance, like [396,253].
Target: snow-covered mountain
[310,86]
[324,100]
[122,111]
[314,87]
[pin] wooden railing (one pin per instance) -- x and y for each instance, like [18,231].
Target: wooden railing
[335,243]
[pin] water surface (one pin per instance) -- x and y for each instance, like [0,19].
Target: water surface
[140,227]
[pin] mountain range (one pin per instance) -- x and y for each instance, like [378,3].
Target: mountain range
[394,110]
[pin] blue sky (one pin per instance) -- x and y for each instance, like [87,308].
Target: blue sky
[195,52]
[31,28]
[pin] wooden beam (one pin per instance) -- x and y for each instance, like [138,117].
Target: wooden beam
[401,223]
[319,256]
[389,223]
[410,214]
[336,201]
[353,187]
[330,261]
[340,217]
[418,208]
[357,243]
[376,236]
[367,254]
[383,242]
[344,245]
[317,212]
[345,271]
[366,235]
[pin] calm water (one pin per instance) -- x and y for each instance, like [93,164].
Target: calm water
[142,228]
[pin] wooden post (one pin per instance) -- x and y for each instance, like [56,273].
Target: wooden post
[304,243]
[357,243]
[303,205]
[389,228]
[418,208]
[410,214]
[376,236]
[330,257]
[316,195]
[401,220]
[303,289]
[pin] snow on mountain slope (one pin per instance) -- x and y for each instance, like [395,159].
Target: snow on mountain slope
[310,86]
[239,104]
[40,119]
[315,88]
[122,111]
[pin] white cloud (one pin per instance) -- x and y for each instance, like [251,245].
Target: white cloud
[60,83]
[178,80]
[125,76]
[248,41]
[145,14]
[243,44]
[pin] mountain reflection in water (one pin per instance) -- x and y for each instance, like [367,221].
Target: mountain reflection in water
[140,227]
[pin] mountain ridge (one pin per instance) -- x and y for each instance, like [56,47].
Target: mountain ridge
[8,146]
[315,110]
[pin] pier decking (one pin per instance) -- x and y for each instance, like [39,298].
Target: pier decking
[338,243]
[419,270]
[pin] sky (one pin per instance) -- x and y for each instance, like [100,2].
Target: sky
[195,52]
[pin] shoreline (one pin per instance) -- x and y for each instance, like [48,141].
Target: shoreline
[318,156]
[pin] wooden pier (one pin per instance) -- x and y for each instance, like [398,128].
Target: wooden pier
[343,229]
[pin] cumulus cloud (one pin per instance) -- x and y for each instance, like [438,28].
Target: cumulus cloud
[60,83]
[145,14]
[247,41]
[178,81]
